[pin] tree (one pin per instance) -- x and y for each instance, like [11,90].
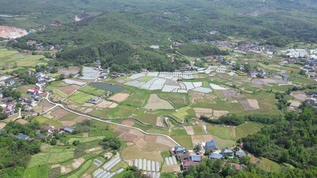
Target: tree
[54,141]
[76,142]
[247,68]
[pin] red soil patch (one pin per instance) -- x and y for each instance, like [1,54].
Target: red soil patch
[46,105]
[127,122]
[150,138]
[69,89]
[128,137]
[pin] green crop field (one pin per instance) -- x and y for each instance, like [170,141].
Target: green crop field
[179,132]
[101,113]
[178,100]
[59,84]
[222,132]
[184,140]
[39,159]
[60,157]
[93,90]
[269,165]
[82,169]
[86,139]
[137,99]
[146,118]
[198,130]
[12,58]
[79,97]
[223,143]
[69,117]
[56,91]
[145,79]
[182,112]
[43,171]
[30,172]
[248,128]
[43,120]
[122,111]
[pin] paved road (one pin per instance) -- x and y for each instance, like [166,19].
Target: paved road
[95,118]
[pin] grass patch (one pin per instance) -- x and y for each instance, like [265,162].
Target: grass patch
[178,100]
[179,132]
[133,152]
[59,84]
[101,113]
[223,143]
[38,159]
[181,113]
[68,117]
[165,154]
[87,139]
[30,172]
[60,157]
[43,171]
[43,120]
[121,164]
[82,169]
[156,147]
[80,97]
[222,132]
[93,90]
[137,99]
[184,140]
[122,111]
[146,118]
[248,128]
[219,94]
[269,165]
[145,79]
[198,130]
[56,91]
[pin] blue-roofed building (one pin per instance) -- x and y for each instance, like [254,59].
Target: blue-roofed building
[214,156]
[195,158]
[69,129]
[231,157]
[22,136]
[180,150]
[226,151]
[240,154]
[211,145]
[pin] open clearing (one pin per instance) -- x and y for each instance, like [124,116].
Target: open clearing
[184,140]
[156,147]
[189,130]
[155,103]
[269,165]
[301,95]
[232,94]
[171,168]
[73,70]
[58,113]
[119,97]
[203,112]
[218,113]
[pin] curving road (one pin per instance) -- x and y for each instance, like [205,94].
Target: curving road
[109,122]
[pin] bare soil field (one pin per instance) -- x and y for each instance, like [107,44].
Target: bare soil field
[45,104]
[38,109]
[250,104]
[68,123]
[294,103]
[201,138]
[122,129]
[203,111]
[140,143]
[301,95]
[119,80]
[128,137]
[86,134]
[136,132]
[80,119]
[58,113]
[268,80]
[113,105]
[150,138]
[77,162]
[159,122]
[189,130]
[74,70]
[156,147]
[218,113]
[49,115]
[119,97]
[104,104]
[232,94]
[171,168]
[172,83]
[69,89]
[155,102]
[165,141]
[2,125]
[127,122]
[22,121]
[55,166]
[133,152]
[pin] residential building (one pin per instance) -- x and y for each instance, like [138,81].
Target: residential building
[211,145]
[22,136]
[1,95]
[69,129]
[10,82]
[186,164]
[32,91]
[28,72]
[94,100]
[252,74]
[215,156]
[240,154]
[226,152]
[195,158]
[180,150]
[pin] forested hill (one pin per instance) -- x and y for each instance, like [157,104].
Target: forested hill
[152,22]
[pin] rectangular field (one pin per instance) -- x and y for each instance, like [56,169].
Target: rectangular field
[43,120]
[93,90]
[69,117]
[184,140]
[80,97]
[137,99]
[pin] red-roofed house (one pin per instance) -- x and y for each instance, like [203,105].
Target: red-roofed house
[186,164]
[238,166]
[50,129]
[42,93]
[31,91]
[14,74]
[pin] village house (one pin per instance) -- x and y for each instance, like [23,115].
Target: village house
[94,100]
[22,136]
[226,152]
[1,95]
[32,91]
[252,74]
[69,129]
[195,158]
[9,109]
[240,154]
[10,82]
[211,145]
[262,73]
[2,83]
[27,108]
[50,129]
[239,167]
[215,156]
[186,164]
